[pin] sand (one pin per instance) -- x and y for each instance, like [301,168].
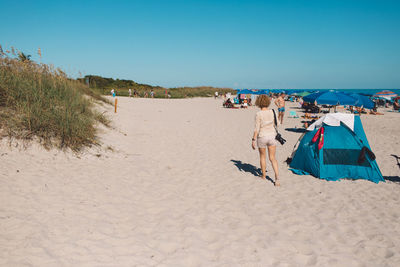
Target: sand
[174,185]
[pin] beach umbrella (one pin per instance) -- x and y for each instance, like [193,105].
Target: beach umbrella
[261,92]
[277,91]
[330,98]
[292,92]
[385,94]
[303,94]
[363,101]
[253,92]
[245,92]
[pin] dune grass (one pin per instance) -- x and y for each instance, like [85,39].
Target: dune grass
[37,100]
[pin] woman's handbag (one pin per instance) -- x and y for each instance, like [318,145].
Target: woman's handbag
[278,136]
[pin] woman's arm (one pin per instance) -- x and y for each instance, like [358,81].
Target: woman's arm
[254,136]
[253,140]
[256,130]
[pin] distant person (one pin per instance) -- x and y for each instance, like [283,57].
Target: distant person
[166,93]
[264,135]
[135,93]
[280,103]
[112,92]
[216,95]
[152,93]
[245,105]
[396,105]
[146,94]
[130,92]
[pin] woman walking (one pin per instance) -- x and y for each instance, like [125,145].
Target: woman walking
[264,135]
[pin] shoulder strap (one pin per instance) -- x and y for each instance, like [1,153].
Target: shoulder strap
[276,123]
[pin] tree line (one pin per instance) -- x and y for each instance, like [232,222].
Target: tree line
[104,85]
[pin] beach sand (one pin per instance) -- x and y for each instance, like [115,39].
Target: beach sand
[174,185]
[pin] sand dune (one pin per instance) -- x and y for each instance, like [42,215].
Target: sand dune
[179,189]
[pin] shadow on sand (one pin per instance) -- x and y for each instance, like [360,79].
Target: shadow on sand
[246,167]
[397,158]
[296,130]
[394,179]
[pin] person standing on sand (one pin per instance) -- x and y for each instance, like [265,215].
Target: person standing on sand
[152,93]
[280,103]
[264,134]
[130,92]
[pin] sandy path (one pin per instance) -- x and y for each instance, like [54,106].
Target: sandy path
[180,190]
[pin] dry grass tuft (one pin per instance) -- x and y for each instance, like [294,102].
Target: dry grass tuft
[37,100]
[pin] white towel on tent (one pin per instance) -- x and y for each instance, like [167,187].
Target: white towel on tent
[334,119]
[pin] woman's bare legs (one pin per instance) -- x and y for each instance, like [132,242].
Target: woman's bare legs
[272,159]
[263,163]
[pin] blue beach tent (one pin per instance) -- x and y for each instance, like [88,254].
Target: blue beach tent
[343,153]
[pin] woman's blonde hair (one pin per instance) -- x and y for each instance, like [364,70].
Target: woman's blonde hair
[263,101]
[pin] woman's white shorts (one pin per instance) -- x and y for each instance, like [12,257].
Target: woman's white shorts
[265,141]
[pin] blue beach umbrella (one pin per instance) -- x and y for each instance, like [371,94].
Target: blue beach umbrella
[261,92]
[303,94]
[330,98]
[363,101]
[253,92]
[294,92]
[245,92]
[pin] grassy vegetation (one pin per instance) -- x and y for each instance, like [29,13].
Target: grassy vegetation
[181,92]
[104,85]
[37,100]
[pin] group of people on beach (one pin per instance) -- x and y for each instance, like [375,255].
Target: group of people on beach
[135,93]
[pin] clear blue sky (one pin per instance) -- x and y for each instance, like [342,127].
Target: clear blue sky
[240,44]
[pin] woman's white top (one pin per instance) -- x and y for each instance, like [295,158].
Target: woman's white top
[264,123]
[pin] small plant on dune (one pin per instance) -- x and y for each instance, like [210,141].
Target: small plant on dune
[23,58]
[37,100]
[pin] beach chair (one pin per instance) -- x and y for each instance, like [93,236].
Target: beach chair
[293,114]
